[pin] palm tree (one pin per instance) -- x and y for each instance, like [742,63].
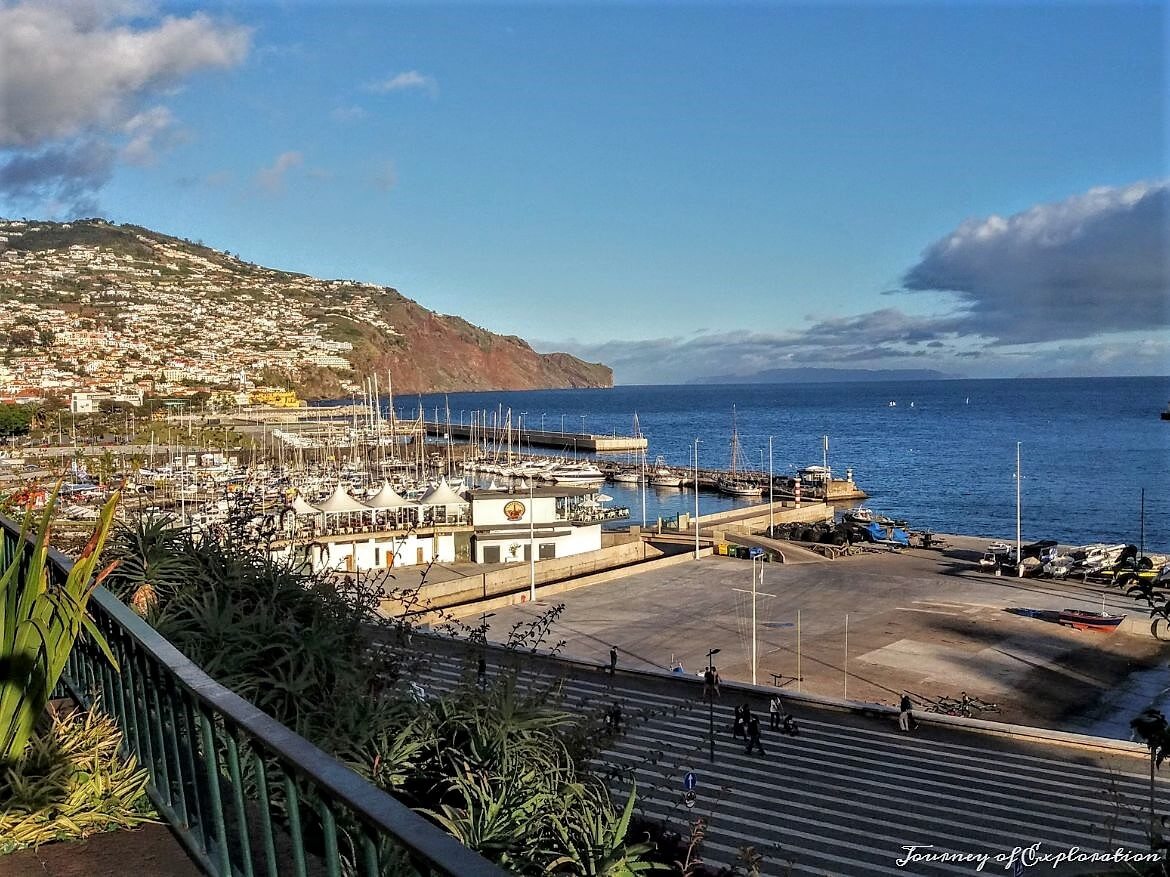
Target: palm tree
[1151,726]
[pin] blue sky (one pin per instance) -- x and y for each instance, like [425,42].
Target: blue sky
[672,189]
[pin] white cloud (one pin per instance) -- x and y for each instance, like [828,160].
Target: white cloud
[149,132]
[89,76]
[386,178]
[1093,263]
[1078,287]
[411,80]
[66,68]
[271,178]
[348,114]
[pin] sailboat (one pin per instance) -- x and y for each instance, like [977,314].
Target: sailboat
[732,483]
[636,461]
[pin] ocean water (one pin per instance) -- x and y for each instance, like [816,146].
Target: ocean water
[943,457]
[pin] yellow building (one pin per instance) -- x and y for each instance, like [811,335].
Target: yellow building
[275,398]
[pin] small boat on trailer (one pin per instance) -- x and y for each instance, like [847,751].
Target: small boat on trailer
[1082,620]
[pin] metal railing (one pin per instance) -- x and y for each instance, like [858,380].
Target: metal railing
[245,794]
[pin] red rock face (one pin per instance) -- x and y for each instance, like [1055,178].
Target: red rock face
[437,353]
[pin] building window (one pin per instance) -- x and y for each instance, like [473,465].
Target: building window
[548,550]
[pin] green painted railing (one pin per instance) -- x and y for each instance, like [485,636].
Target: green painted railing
[246,795]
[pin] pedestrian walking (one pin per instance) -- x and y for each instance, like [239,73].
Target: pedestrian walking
[708,684]
[905,717]
[612,660]
[613,718]
[739,724]
[775,712]
[481,672]
[715,679]
[754,737]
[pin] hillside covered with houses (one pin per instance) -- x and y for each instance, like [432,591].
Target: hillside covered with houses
[121,312]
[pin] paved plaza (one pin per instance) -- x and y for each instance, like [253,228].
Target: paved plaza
[866,627]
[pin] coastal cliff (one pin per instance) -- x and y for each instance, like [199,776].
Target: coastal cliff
[89,302]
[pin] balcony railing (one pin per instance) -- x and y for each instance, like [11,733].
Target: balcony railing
[246,795]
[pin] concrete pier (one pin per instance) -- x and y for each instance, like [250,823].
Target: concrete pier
[567,441]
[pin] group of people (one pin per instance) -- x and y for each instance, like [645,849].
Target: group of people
[747,725]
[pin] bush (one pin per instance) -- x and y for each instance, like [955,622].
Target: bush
[501,770]
[70,783]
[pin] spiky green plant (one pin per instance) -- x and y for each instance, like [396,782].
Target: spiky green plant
[71,782]
[593,839]
[39,622]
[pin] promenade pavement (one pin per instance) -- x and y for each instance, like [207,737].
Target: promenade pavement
[850,794]
[868,627]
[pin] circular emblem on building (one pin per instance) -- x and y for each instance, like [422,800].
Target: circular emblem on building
[514,510]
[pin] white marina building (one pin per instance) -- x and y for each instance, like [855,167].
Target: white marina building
[387,531]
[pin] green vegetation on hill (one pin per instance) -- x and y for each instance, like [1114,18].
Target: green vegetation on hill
[207,290]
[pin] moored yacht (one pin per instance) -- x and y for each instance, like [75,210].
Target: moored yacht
[664,476]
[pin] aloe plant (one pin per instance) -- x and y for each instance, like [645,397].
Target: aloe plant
[39,622]
[71,782]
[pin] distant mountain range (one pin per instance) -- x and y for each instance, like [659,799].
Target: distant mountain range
[827,376]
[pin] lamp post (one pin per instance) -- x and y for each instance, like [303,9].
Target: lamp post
[542,421]
[770,485]
[697,499]
[583,416]
[531,544]
[562,424]
[483,617]
[711,702]
[1019,560]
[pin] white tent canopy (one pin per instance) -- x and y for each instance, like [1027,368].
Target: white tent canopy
[340,501]
[300,507]
[442,495]
[388,498]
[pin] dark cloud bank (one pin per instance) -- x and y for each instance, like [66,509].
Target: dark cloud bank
[1045,291]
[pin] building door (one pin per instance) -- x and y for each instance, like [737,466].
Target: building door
[548,550]
[349,563]
[418,555]
[491,554]
[528,552]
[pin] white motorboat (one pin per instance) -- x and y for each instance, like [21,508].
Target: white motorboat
[664,476]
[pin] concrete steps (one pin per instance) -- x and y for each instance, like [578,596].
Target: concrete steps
[845,796]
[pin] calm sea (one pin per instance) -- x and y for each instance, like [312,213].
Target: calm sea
[943,456]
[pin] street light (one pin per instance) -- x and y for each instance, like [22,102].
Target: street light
[531,543]
[697,499]
[711,701]
[542,421]
[583,424]
[562,424]
[771,482]
[1019,560]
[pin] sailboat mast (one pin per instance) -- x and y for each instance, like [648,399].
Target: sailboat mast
[1019,479]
